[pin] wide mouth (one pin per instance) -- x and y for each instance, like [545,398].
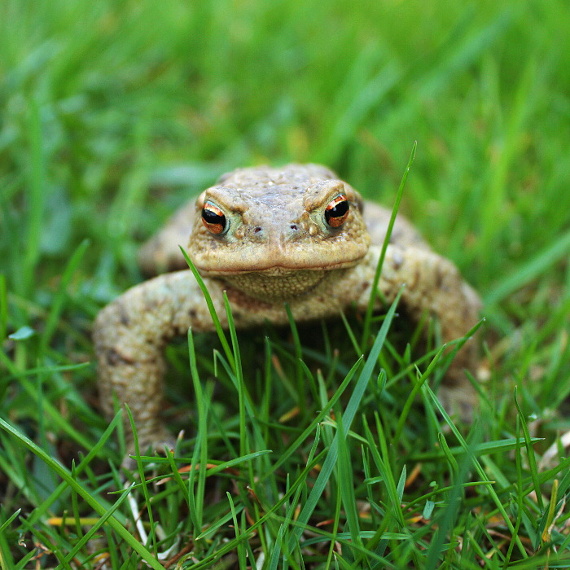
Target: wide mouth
[271,268]
[278,257]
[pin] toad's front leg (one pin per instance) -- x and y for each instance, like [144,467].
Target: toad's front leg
[433,285]
[130,335]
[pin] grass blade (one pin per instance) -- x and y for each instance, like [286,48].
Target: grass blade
[349,414]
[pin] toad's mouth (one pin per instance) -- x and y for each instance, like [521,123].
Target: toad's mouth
[274,270]
[225,259]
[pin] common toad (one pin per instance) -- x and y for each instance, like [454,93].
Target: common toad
[267,236]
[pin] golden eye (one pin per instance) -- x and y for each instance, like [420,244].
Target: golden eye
[213,218]
[337,211]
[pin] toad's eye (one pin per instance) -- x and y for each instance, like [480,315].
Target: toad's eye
[337,211]
[214,219]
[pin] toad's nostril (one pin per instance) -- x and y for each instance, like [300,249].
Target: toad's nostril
[293,227]
[257,229]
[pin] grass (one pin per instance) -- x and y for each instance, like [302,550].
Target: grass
[298,452]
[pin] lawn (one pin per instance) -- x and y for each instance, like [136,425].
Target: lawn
[310,447]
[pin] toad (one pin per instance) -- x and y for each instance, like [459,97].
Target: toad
[269,236]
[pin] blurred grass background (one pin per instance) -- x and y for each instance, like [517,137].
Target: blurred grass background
[113,113]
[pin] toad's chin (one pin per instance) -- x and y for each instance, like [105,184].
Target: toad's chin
[277,284]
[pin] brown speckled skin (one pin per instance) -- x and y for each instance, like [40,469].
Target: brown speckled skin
[278,248]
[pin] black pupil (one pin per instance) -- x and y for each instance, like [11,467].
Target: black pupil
[338,211]
[210,217]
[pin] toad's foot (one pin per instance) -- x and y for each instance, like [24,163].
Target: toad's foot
[155,441]
[459,400]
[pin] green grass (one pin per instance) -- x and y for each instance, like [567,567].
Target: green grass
[299,451]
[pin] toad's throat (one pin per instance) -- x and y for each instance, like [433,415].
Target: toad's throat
[276,286]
